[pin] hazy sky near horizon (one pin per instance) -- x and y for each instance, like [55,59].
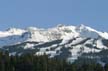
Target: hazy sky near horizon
[49,13]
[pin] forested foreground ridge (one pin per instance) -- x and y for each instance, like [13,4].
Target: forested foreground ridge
[29,62]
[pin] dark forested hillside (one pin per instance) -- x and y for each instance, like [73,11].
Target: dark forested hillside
[29,62]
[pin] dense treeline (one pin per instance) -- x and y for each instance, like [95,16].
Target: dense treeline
[29,62]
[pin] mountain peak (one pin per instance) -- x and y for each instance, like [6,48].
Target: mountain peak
[82,26]
[32,28]
[86,28]
[60,25]
[11,28]
[15,31]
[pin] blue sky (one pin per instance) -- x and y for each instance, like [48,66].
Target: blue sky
[49,13]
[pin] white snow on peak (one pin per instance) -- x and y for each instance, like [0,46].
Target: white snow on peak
[15,31]
[14,39]
[60,25]
[103,34]
[82,27]
[45,35]
[86,31]
[34,29]
[11,32]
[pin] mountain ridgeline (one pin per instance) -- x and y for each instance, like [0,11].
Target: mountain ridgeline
[73,43]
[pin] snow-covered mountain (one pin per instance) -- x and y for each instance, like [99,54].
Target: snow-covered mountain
[70,42]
